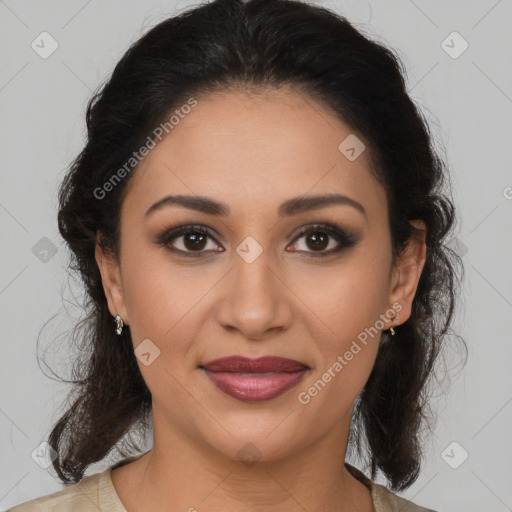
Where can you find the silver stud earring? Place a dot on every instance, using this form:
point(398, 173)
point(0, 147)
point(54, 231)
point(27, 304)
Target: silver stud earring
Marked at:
point(119, 325)
point(391, 330)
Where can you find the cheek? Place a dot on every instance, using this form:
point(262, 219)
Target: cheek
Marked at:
point(160, 301)
point(159, 297)
point(344, 305)
point(345, 298)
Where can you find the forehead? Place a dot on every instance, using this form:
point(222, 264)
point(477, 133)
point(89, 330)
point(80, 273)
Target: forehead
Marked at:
point(255, 151)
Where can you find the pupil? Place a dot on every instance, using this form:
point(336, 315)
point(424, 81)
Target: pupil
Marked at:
point(317, 240)
point(196, 239)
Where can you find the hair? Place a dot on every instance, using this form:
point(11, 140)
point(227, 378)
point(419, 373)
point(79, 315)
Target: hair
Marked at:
point(257, 46)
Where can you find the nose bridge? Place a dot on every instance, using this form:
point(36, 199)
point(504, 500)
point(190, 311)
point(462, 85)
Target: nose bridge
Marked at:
point(252, 269)
point(255, 300)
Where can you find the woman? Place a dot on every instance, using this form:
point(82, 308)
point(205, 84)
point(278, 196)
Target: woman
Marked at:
point(259, 220)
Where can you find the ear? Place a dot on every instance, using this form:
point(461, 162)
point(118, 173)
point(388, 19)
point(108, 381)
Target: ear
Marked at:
point(407, 273)
point(112, 282)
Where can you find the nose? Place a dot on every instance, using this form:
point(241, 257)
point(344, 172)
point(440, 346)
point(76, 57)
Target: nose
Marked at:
point(255, 300)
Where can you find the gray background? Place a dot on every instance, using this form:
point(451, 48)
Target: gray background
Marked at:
point(467, 100)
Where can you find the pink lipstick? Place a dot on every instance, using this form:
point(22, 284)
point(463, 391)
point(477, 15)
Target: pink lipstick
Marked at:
point(254, 380)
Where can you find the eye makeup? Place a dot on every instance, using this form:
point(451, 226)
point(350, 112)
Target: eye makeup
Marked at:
point(198, 236)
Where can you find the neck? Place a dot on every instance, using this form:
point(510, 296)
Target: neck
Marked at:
point(191, 476)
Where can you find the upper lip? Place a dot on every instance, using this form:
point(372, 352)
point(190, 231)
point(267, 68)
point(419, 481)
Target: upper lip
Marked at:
point(246, 365)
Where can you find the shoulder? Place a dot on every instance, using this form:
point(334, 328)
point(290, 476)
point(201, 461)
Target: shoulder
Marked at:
point(94, 493)
point(387, 501)
point(84, 496)
point(383, 499)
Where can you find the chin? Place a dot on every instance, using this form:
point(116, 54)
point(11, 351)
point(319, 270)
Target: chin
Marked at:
point(254, 439)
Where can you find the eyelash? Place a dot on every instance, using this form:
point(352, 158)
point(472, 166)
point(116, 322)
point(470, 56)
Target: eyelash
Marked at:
point(345, 238)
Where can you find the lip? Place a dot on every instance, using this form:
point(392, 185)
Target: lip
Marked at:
point(254, 380)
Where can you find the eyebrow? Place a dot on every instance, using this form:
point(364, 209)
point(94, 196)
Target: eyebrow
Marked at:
point(290, 207)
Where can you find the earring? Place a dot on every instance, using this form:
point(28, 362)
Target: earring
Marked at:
point(391, 330)
point(119, 325)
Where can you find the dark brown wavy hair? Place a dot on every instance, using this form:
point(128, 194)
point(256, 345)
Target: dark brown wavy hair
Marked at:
point(258, 45)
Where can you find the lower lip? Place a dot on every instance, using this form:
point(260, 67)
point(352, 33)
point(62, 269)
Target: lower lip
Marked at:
point(255, 387)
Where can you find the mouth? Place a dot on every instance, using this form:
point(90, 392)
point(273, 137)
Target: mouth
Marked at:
point(254, 380)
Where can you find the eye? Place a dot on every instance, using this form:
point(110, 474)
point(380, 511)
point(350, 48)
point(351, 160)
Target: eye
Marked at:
point(194, 239)
point(321, 236)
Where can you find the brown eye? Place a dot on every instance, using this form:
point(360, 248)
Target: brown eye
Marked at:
point(189, 241)
point(320, 237)
point(194, 241)
point(317, 240)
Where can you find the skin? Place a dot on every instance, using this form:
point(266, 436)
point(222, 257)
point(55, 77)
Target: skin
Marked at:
point(252, 152)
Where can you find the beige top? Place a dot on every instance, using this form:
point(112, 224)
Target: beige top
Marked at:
point(96, 493)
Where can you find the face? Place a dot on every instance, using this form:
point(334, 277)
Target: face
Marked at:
point(271, 272)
